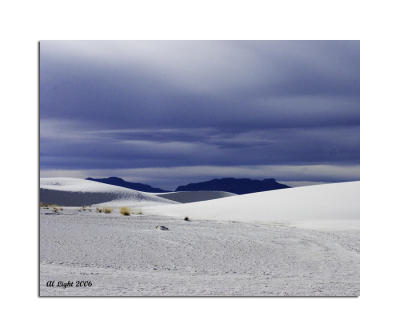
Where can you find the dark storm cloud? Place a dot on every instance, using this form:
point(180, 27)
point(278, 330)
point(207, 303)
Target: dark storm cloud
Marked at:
point(126, 105)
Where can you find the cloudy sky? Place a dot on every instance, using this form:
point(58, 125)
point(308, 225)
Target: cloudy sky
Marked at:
point(172, 112)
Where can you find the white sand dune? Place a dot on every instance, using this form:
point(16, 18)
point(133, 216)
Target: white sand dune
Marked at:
point(194, 196)
point(327, 206)
point(256, 244)
point(77, 192)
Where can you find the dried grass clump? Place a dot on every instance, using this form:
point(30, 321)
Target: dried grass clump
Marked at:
point(104, 210)
point(55, 208)
point(47, 205)
point(125, 211)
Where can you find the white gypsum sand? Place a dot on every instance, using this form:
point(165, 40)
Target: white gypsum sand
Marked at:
point(325, 206)
point(301, 241)
point(78, 192)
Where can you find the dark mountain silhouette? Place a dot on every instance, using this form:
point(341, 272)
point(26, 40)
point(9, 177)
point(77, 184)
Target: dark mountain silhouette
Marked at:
point(122, 183)
point(234, 185)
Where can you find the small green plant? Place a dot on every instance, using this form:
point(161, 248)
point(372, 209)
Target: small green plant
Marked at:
point(107, 210)
point(125, 211)
point(186, 219)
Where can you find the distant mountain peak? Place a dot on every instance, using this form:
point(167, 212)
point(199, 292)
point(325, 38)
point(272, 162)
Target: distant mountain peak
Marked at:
point(234, 185)
point(117, 181)
point(111, 178)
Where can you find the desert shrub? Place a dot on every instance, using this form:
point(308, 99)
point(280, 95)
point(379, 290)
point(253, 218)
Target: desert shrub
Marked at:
point(84, 207)
point(139, 213)
point(107, 210)
point(186, 219)
point(99, 210)
point(125, 211)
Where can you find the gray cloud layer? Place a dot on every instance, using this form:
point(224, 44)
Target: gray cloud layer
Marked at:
point(158, 104)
